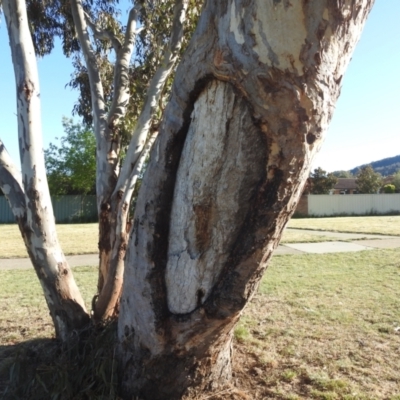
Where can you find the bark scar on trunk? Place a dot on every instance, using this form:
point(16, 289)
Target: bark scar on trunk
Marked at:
point(27, 88)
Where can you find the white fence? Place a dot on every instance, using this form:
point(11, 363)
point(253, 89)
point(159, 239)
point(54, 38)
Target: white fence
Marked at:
point(353, 204)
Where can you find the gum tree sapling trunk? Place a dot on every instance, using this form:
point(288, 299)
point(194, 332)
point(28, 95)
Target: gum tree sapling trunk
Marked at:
point(252, 99)
point(28, 192)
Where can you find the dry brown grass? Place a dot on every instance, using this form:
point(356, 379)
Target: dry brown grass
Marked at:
point(389, 225)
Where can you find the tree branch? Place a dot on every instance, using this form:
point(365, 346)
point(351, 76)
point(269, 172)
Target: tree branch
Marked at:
point(103, 33)
point(153, 95)
point(138, 168)
point(108, 146)
point(96, 87)
point(11, 183)
point(121, 70)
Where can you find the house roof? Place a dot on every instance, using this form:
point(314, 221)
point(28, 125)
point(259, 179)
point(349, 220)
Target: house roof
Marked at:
point(346, 183)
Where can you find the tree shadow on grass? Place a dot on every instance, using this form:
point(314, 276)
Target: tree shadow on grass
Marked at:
point(82, 368)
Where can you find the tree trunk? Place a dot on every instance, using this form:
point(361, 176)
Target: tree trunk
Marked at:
point(250, 104)
point(37, 223)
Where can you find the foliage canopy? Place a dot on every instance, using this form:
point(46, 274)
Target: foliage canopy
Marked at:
point(321, 182)
point(368, 181)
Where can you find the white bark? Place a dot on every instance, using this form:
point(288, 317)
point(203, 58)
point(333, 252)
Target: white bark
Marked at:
point(106, 149)
point(106, 124)
point(62, 295)
point(108, 300)
point(121, 71)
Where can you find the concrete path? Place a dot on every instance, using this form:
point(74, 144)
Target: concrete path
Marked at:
point(360, 242)
point(74, 261)
point(341, 235)
point(326, 247)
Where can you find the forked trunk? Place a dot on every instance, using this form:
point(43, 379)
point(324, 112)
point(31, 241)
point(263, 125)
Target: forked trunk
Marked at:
point(251, 101)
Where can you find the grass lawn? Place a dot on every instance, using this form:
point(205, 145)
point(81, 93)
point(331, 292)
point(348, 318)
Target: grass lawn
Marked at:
point(389, 225)
point(74, 239)
point(300, 236)
point(321, 326)
point(82, 238)
point(324, 327)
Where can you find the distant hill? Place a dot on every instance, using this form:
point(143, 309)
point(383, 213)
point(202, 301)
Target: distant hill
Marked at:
point(387, 166)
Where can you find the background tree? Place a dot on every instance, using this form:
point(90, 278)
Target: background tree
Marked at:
point(389, 188)
point(321, 182)
point(396, 181)
point(368, 181)
point(71, 166)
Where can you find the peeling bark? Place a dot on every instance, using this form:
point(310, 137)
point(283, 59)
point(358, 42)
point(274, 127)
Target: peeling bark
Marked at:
point(29, 194)
point(250, 104)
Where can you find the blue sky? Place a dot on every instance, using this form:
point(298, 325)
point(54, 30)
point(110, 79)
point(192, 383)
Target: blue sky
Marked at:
point(364, 128)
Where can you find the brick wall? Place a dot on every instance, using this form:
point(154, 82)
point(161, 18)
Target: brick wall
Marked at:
point(302, 207)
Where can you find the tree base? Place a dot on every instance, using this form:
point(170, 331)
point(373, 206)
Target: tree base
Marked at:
point(171, 374)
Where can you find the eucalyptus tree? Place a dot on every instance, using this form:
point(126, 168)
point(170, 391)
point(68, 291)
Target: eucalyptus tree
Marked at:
point(250, 103)
point(115, 183)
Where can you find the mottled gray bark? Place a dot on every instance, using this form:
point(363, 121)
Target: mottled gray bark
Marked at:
point(28, 194)
point(251, 102)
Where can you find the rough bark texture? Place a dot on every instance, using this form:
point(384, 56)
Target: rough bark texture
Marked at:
point(251, 101)
point(36, 221)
